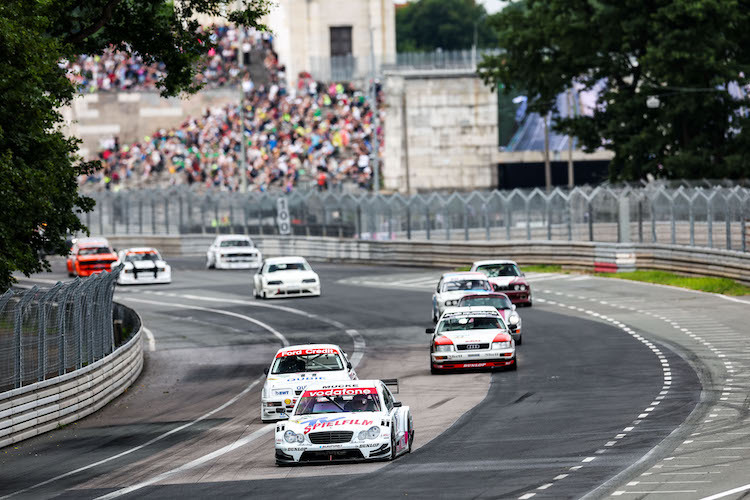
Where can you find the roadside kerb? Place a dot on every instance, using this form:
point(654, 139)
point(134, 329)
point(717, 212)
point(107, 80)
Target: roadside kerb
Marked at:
point(38, 408)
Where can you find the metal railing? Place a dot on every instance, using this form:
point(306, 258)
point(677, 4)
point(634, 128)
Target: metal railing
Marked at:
point(717, 217)
point(49, 332)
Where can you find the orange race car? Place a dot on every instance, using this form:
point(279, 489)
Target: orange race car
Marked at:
point(90, 256)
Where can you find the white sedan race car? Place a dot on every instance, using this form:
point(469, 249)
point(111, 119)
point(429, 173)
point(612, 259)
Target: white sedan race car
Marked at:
point(293, 368)
point(285, 277)
point(453, 286)
point(233, 251)
point(471, 337)
point(142, 266)
point(357, 420)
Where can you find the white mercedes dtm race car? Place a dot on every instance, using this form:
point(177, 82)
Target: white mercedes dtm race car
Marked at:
point(453, 286)
point(293, 368)
point(285, 277)
point(471, 337)
point(142, 266)
point(350, 421)
point(233, 251)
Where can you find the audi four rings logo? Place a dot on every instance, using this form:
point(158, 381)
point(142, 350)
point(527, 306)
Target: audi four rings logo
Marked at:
point(473, 346)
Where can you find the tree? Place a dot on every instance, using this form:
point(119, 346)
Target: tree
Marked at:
point(426, 25)
point(687, 53)
point(39, 199)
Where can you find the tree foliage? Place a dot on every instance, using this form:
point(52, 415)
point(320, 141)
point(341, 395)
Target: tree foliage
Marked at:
point(687, 53)
point(426, 25)
point(39, 200)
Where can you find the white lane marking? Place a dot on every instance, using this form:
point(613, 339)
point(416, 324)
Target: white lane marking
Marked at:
point(526, 496)
point(357, 339)
point(261, 324)
point(151, 341)
point(727, 493)
point(144, 445)
point(190, 465)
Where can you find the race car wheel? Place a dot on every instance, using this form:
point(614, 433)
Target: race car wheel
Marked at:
point(209, 264)
point(434, 370)
point(520, 340)
point(393, 444)
point(514, 366)
point(411, 436)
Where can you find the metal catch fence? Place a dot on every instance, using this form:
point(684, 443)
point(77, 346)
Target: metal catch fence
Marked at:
point(45, 333)
point(715, 217)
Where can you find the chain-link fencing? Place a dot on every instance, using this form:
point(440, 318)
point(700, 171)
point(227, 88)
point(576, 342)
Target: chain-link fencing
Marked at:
point(715, 217)
point(45, 333)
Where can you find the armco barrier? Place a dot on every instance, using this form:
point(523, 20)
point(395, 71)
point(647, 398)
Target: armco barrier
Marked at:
point(573, 255)
point(38, 408)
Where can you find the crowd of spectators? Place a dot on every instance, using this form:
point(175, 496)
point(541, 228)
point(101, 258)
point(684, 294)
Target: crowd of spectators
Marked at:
point(116, 70)
point(318, 133)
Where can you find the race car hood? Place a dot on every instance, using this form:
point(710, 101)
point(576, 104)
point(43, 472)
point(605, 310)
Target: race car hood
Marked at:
point(507, 280)
point(297, 381)
point(474, 336)
point(355, 421)
point(144, 264)
point(457, 294)
point(238, 250)
point(290, 276)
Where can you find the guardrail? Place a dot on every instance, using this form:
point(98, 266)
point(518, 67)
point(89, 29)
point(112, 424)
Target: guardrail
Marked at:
point(43, 406)
point(574, 255)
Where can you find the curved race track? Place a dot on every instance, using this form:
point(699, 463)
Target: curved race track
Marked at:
point(558, 427)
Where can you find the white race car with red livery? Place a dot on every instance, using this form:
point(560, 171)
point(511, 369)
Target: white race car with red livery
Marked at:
point(507, 278)
point(504, 306)
point(348, 421)
point(142, 266)
point(452, 286)
point(471, 337)
point(293, 368)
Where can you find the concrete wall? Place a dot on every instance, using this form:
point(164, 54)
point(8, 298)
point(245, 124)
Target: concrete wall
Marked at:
point(133, 115)
point(302, 37)
point(578, 255)
point(441, 131)
point(42, 407)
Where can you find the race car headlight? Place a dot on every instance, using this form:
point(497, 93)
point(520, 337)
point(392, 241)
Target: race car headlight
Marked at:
point(501, 345)
point(522, 287)
point(293, 437)
point(309, 280)
point(517, 287)
point(371, 433)
point(275, 282)
point(514, 319)
point(444, 348)
point(451, 303)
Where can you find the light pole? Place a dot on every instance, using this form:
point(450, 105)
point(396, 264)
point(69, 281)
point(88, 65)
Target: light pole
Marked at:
point(243, 153)
point(375, 120)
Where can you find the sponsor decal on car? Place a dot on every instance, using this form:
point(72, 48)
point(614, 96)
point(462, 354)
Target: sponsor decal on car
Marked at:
point(303, 352)
point(340, 391)
point(321, 422)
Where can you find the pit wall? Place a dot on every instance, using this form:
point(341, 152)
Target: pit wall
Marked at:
point(38, 408)
point(583, 256)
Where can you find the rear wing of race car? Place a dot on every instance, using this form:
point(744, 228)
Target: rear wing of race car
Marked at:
point(391, 382)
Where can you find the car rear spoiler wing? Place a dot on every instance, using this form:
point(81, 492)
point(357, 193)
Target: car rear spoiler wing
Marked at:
point(391, 382)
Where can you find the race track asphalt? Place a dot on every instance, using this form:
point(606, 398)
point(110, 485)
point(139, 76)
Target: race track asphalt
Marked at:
point(580, 382)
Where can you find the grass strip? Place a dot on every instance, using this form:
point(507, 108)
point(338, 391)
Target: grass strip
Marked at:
point(723, 286)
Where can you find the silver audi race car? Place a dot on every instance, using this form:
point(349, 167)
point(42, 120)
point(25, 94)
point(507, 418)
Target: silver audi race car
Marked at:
point(471, 337)
point(293, 368)
point(347, 421)
point(453, 286)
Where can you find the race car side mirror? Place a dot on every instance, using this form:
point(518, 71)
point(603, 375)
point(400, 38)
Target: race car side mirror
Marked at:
point(398, 404)
point(265, 370)
point(429, 331)
point(513, 306)
point(349, 365)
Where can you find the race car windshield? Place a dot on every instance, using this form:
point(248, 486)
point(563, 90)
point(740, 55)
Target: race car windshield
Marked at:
point(93, 251)
point(313, 405)
point(496, 302)
point(234, 243)
point(497, 270)
point(475, 323)
point(452, 286)
point(141, 257)
point(290, 266)
point(307, 363)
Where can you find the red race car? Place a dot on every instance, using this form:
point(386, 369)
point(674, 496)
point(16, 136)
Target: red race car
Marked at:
point(502, 303)
point(90, 256)
point(506, 277)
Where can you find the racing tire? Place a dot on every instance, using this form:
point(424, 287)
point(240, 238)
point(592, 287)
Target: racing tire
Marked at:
point(393, 444)
point(520, 340)
point(209, 264)
point(514, 366)
point(434, 370)
point(411, 437)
